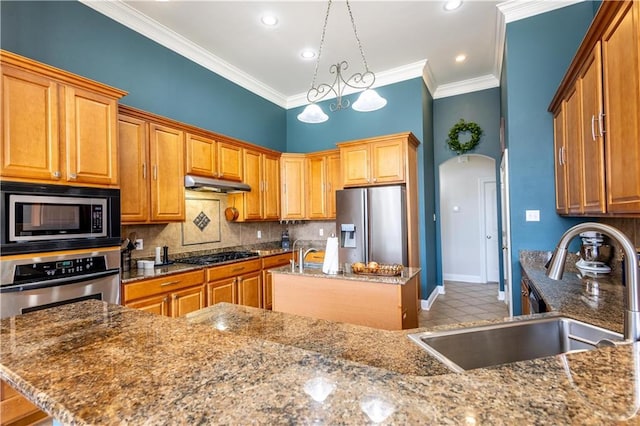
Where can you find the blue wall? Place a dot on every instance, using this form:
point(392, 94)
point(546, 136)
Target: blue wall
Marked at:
point(73, 37)
point(538, 52)
point(406, 103)
point(428, 244)
point(482, 108)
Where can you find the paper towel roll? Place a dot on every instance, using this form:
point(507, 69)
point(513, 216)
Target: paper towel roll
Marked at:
point(330, 265)
point(158, 259)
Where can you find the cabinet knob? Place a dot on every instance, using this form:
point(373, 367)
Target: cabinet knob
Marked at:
point(73, 176)
point(375, 179)
point(56, 174)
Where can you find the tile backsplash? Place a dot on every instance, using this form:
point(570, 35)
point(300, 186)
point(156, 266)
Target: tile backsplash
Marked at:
point(206, 229)
point(630, 227)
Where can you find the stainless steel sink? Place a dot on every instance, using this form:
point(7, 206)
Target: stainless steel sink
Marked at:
point(484, 346)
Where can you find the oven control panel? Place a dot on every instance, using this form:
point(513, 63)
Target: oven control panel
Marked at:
point(43, 271)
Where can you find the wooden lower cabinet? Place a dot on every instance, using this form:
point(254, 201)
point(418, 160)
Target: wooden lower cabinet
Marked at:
point(267, 277)
point(170, 295)
point(15, 409)
point(239, 282)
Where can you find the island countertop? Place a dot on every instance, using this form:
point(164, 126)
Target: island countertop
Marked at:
point(407, 274)
point(96, 363)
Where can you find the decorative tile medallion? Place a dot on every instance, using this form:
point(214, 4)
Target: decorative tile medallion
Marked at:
point(201, 221)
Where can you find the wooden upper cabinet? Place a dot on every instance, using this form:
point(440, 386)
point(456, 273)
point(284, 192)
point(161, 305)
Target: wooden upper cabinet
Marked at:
point(134, 169)
point(292, 176)
point(152, 168)
point(230, 161)
point(373, 163)
point(253, 178)
point(201, 156)
point(166, 147)
point(323, 179)
point(560, 162)
point(601, 91)
point(57, 127)
point(621, 73)
point(271, 188)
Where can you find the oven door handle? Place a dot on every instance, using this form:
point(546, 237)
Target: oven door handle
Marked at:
point(59, 281)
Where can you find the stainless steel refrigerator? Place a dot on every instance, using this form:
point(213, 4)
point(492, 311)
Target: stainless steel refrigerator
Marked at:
point(372, 223)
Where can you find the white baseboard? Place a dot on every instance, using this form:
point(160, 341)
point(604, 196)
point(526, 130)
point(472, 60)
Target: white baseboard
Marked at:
point(425, 305)
point(462, 278)
point(501, 295)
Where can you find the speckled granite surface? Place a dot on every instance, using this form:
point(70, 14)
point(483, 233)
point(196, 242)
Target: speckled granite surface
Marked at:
point(95, 363)
point(598, 301)
point(407, 274)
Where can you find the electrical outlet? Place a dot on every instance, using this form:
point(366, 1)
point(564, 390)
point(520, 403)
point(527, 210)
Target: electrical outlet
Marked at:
point(139, 244)
point(259, 234)
point(532, 215)
point(321, 232)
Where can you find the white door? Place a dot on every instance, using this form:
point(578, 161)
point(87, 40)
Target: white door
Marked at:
point(490, 227)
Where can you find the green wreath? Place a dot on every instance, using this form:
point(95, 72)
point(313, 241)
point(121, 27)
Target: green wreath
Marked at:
point(462, 126)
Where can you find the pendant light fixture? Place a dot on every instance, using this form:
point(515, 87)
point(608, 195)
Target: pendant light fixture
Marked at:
point(369, 99)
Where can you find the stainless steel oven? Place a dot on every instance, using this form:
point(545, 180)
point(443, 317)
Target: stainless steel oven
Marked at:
point(39, 217)
point(34, 282)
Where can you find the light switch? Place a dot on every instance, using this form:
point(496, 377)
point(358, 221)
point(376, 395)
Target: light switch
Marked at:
point(532, 215)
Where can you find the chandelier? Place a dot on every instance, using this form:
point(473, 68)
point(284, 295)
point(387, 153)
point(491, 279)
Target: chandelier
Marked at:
point(369, 100)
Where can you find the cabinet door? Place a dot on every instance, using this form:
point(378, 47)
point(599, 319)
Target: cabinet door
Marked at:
point(559, 156)
point(91, 125)
point(355, 165)
point(334, 183)
point(187, 300)
point(293, 186)
point(222, 291)
point(317, 183)
point(16, 410)
point(253, 178)
point(621, 72)
point(201, 156)
point(30, 135)
point(593, 145)
point(574, 151)
point(250, 290)
point(156, 305)
point(229, 162)
point(166, 149)
point(267, 290)
point(387, 162)
point(524, 297)
point(134, 174)
point(271, 187)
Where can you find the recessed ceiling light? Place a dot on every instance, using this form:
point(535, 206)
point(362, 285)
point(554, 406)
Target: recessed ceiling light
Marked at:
point(461, 58)
point(452, 4)
point(308, 54)
point(269, 20)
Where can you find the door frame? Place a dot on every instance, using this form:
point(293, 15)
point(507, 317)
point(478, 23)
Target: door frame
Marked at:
point(482, 196)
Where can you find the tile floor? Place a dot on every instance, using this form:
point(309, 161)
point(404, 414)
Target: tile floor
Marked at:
point(464, 302)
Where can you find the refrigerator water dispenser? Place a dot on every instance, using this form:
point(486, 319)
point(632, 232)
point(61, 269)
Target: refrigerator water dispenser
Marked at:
point(348, 235)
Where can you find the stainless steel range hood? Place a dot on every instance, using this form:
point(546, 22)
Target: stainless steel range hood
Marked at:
point(198, 183)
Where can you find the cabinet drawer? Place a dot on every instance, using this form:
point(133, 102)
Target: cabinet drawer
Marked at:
point(233, 269)
point(161, 285)
point(276, 260)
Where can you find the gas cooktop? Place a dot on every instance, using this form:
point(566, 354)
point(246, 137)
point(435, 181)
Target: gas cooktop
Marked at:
point(225, 256)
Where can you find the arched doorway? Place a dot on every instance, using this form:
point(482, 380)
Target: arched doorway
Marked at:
point(469, 219)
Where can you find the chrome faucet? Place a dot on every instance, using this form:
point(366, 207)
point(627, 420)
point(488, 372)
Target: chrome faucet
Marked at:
point(631, 273)
point(301, 256)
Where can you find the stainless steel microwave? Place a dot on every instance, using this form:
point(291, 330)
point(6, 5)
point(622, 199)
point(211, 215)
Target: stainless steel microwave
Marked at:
point(41, 217)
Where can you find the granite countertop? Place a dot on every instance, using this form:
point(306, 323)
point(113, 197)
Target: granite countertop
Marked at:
point(96, 363)
point(176, 267)
point(407, 274)
point(598, 301)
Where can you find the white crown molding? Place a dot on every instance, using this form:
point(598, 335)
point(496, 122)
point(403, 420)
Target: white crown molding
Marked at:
point(501, 30)
point(514, 10)
point(466, 86)
point(131, 18)
point(383, 78)
point(429, 79)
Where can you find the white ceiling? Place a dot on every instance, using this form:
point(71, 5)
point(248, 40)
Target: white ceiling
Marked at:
point(401, 40)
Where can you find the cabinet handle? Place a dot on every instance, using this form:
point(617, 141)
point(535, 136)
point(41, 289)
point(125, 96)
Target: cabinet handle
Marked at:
point(73, 176)
point(144, 170)
point(329, 186)
point(155, 172)
point(375, 179)
point(601, 124)
point(174, 296)
point(56, 174)
point(266, 185)
point(241, 268)
point(593, 127)
point(169, 283)
point(284, 186)
point(560, 156)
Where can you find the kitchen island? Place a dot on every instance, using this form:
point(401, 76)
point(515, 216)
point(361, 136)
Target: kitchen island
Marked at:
point(378, 301)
